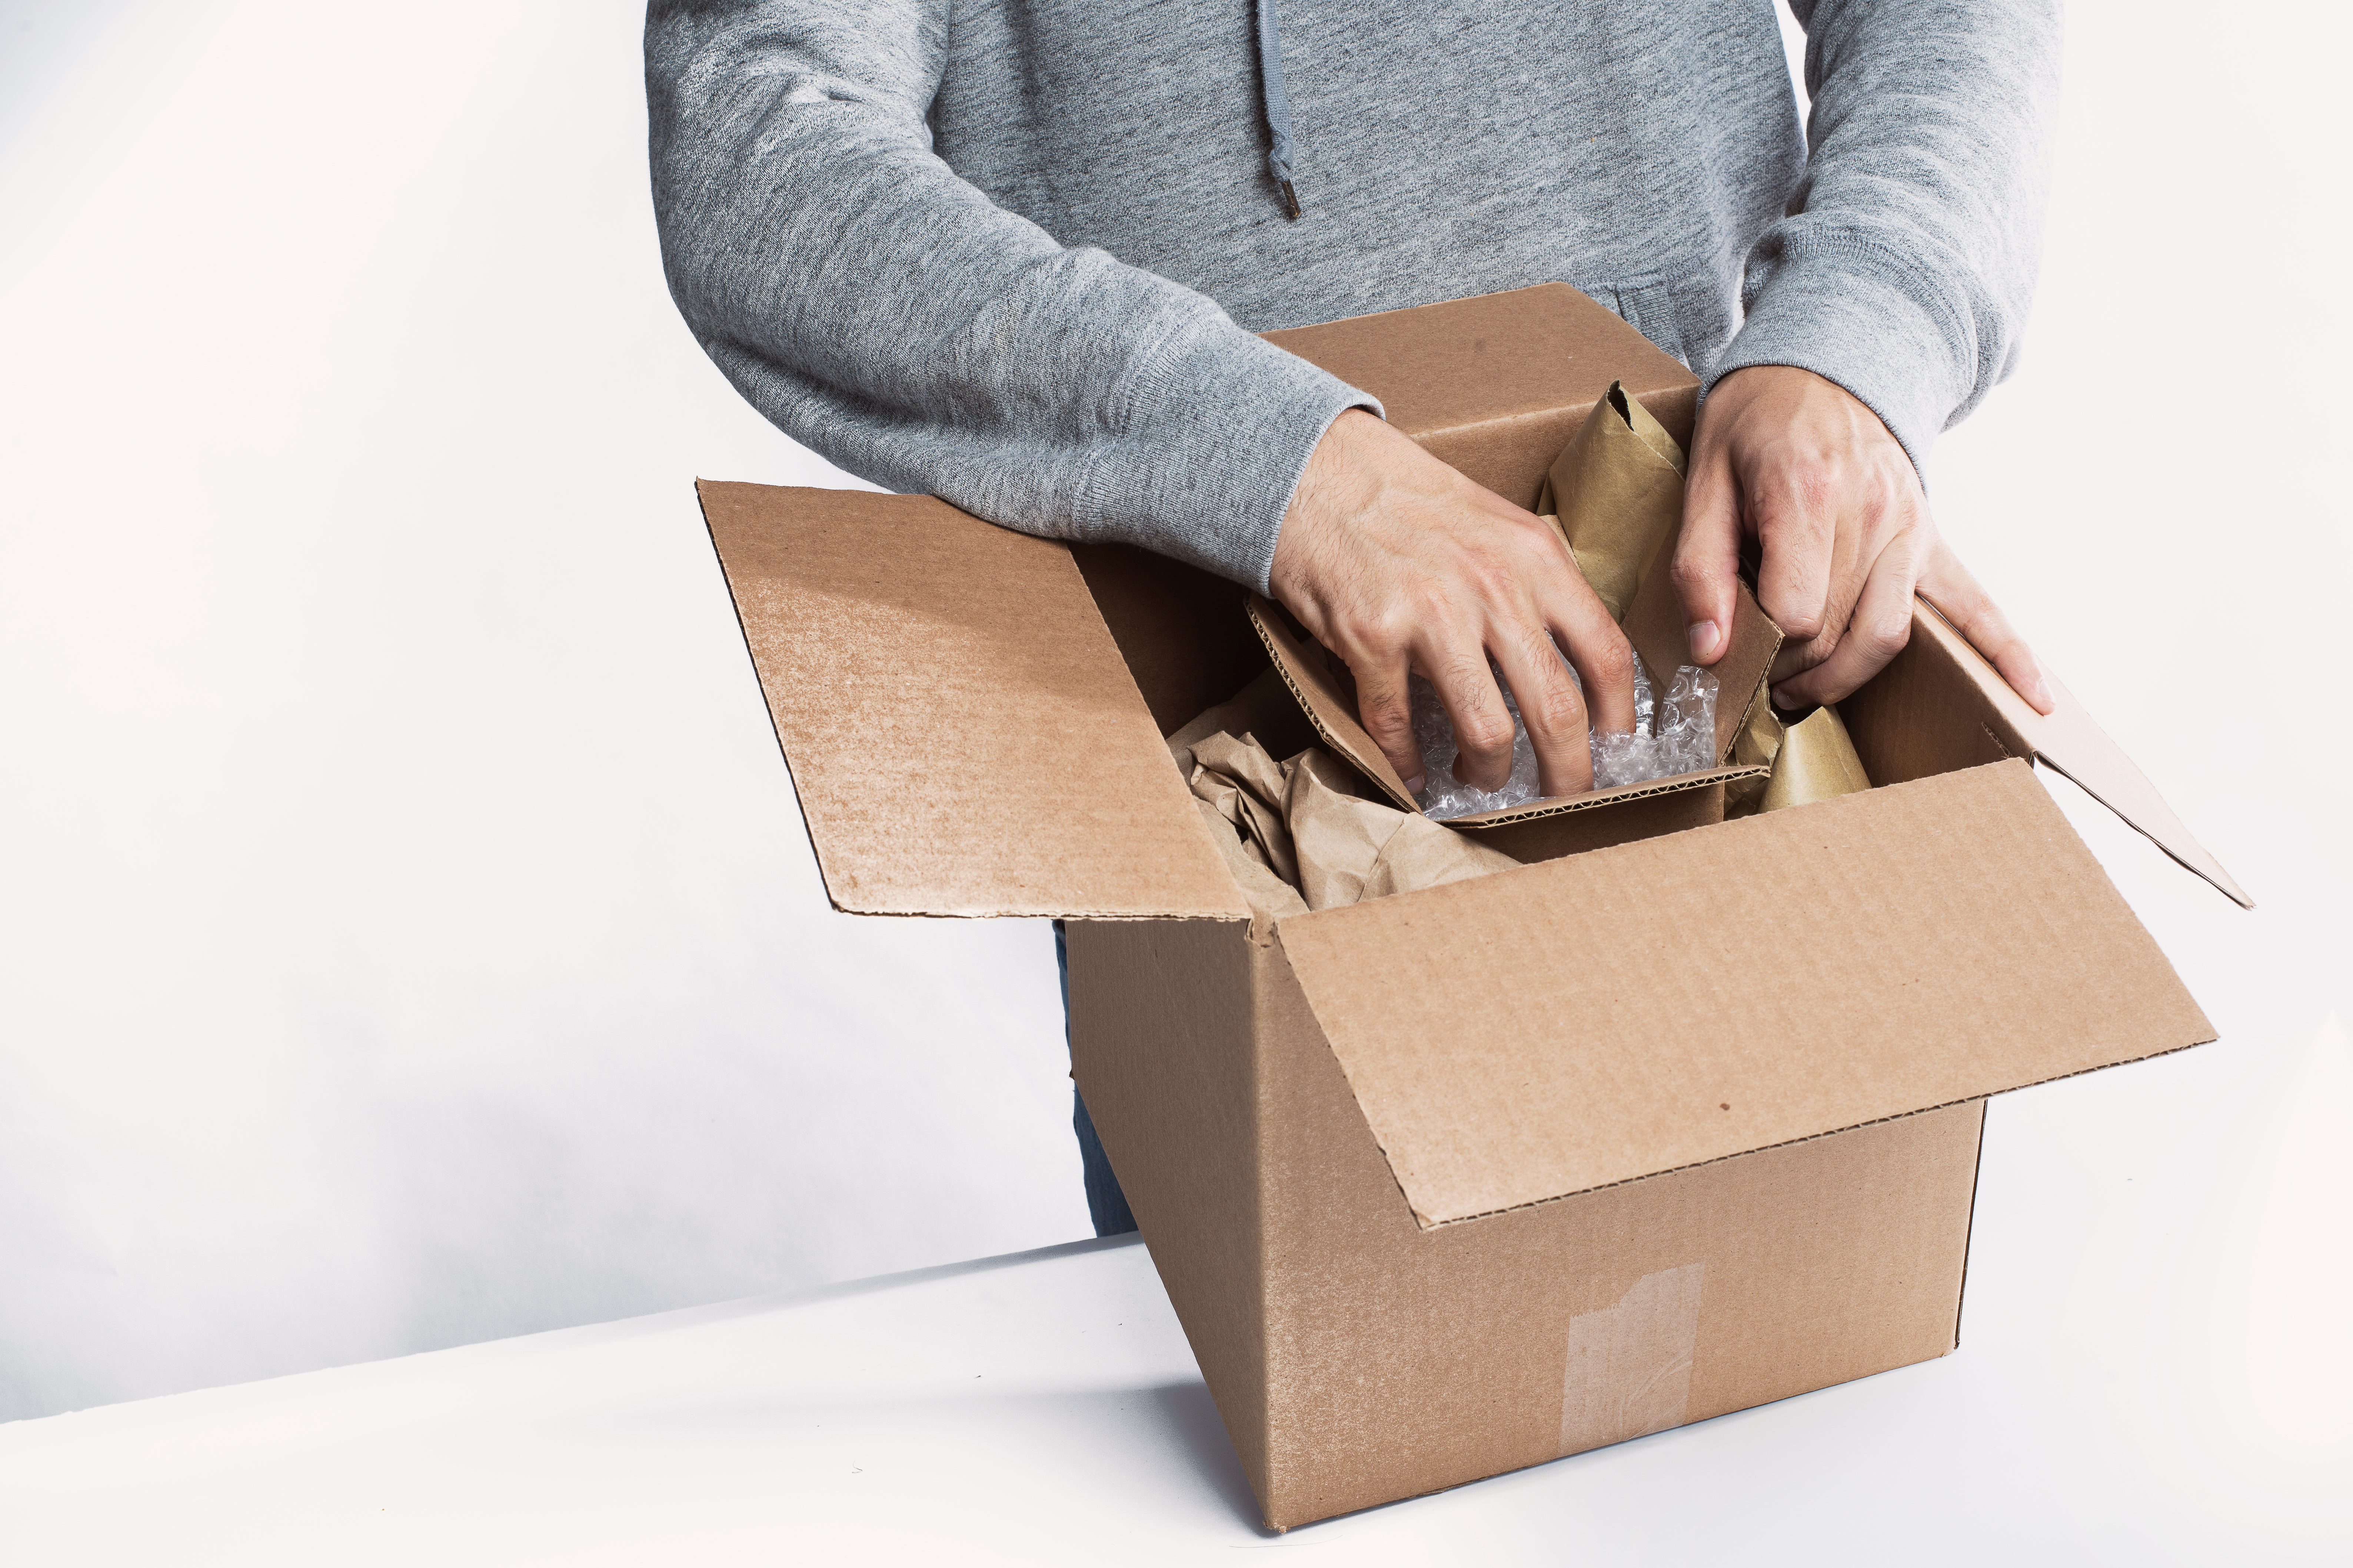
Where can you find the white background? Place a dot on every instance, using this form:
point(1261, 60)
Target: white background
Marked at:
point(410, 935)
point(409, 938)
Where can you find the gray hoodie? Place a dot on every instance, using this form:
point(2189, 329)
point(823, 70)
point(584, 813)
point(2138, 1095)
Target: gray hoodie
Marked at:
point(1014, 252)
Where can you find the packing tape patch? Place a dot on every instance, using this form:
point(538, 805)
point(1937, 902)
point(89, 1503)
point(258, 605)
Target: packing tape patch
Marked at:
point(1629, 1365)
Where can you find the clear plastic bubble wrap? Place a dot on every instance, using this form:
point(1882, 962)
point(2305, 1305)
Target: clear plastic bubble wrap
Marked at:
point(1677, 736)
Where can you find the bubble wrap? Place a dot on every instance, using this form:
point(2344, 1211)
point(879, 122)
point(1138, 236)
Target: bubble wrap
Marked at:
point(1677, 736)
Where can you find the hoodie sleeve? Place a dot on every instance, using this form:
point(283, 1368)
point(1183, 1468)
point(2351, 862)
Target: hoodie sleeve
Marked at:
point(1905, 265)
point(884, 312)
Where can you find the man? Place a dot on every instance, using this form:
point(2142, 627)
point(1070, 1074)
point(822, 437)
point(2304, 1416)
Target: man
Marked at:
point(1014, 253)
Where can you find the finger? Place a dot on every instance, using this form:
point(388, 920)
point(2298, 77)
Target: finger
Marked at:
point(1384, 706)
point(1603, 659)
point(1482, 725)
point(1552, 707)
point(1880, 625)
point(1860, 536)
point(1795, 521)
point(1707, 558)
point(1948, 585)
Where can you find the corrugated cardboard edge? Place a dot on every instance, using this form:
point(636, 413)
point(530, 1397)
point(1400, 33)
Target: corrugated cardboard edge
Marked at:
point(1426, 1223)
point(1977, 1185)
point(1323, 704)
point(1562, 805)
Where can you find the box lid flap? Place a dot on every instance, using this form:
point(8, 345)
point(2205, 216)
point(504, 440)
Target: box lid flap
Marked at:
point(2069, 743)
point(1497, 385)
point(1634, 1010)
point(963, 734)
point(1493, 359)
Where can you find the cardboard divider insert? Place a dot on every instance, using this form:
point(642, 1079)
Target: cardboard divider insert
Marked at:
point(1330, 705)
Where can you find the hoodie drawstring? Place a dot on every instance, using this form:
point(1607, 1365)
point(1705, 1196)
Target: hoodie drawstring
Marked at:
point(1278, 104)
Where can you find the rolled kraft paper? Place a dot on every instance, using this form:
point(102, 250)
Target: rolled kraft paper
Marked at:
point(1617, 491)
point(1816, 761)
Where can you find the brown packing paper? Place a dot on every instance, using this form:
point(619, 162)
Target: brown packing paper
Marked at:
point(1816, 762)
point(1756, 746)
point(1303, 825)
point(1616, 492)
point(1654, 625)
point(1811, 760)
point(1619, 485)
point(1247, 787)
point(1265, 708)
point(1267, 894)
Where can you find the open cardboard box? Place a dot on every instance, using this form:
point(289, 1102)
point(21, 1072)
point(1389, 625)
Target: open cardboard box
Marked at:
point(1678, 1119)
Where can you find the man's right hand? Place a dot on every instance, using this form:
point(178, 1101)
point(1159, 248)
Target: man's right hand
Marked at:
point(1399, 564)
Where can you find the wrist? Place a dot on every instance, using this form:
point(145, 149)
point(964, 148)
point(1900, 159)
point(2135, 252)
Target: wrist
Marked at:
point(1337, 482)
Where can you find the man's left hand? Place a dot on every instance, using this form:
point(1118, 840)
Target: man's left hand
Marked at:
point(1796, 462)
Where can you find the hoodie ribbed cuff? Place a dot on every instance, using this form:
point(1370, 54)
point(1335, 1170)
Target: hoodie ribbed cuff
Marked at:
point(1852, 312)
point(1218, 426)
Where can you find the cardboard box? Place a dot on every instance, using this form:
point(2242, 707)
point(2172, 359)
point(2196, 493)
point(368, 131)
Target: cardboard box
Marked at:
point(1679, 1121)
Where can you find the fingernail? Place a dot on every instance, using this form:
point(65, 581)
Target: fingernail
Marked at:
point(1702, 639)
point(1413, 785)
point(2042, 696)
point(1782, 697)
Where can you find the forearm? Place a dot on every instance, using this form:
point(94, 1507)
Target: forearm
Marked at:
point(884, 312)
point(1906, 266)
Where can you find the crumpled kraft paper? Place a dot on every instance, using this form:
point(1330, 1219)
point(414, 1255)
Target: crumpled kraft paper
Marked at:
point(1811, 760)
point(1265, 892)
point(1616, 494)
point(1302, 825)
point(1619, 485)
point(1265, 708)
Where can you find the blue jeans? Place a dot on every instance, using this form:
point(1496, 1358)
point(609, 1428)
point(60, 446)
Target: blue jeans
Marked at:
point(1105, 1202)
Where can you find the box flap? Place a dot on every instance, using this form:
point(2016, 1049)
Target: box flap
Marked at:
point(1634, 1010)
point(1497, 385)
point(963, 734)
point(2068, 741)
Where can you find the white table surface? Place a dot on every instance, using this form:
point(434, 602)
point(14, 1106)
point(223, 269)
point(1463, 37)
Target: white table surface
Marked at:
point(2153, 1371)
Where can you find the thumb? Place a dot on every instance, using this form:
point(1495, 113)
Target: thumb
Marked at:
point(1707, 557)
